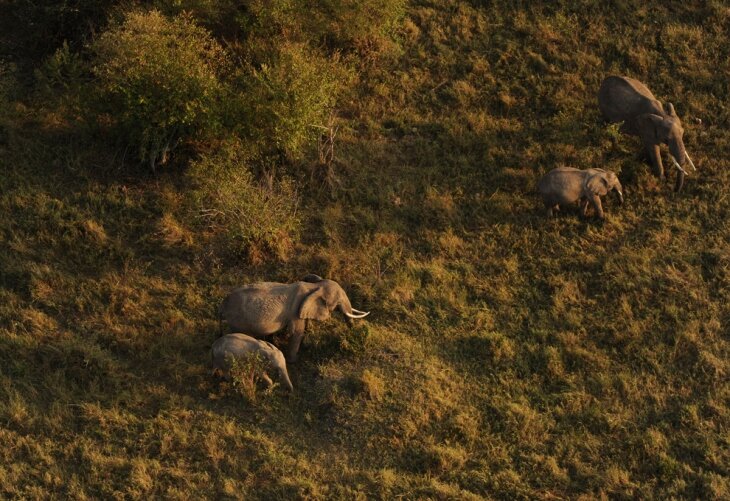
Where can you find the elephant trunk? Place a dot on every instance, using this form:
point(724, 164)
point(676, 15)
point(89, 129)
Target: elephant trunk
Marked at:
point(619, 195)
point(350, 312)
point(676, 149)
point(678, 155)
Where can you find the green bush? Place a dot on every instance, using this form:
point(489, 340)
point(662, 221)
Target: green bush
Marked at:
point(292, 98)
point(158, 82)
point(253, 217)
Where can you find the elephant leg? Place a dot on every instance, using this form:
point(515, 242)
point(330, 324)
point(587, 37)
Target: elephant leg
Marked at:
point(655, 157)
point(296, 333)
point(596, 201)
point(550, 209)
point(583, 207)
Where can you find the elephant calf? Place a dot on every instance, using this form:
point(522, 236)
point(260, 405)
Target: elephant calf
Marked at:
point(566, 185)
point(239, 345)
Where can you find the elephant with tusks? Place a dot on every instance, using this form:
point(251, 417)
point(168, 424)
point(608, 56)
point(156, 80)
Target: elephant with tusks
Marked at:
point(265, 308)
point(623, 99)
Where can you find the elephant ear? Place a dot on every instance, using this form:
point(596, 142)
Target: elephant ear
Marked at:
point(314, 306)
point(597, 184)
point(650, 126)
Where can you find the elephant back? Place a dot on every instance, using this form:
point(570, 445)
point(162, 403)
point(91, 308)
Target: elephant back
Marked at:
point(622, 99)
point(232, 344)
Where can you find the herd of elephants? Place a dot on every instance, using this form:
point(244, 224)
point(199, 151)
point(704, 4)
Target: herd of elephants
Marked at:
point(262, 309)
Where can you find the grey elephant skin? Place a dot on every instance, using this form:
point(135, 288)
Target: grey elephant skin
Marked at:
point(567, 185)
point(240, 345)
point(623, 99)
point(265, 308)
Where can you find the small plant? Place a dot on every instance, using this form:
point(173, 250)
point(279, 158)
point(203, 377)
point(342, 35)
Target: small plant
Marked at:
point(614, 131)
point(326, 142)
point(246, 372)
point(324, 167)
point(63, 78)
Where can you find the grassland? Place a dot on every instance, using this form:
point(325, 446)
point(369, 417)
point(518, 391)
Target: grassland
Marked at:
point(507, 356)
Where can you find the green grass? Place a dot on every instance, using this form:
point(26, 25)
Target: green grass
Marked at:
point(507, 356)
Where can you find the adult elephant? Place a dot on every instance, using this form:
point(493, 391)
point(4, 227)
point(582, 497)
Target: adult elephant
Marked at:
point(623, 99)
point(265, 308)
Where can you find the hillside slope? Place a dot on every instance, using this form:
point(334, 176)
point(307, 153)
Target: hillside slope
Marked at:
point(506, 356)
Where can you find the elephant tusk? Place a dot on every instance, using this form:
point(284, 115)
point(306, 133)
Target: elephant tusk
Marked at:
point(676, 164)
point(690, 161)
point(361, 315)
point(359, 312)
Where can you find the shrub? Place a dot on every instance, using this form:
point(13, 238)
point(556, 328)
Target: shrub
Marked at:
point(292, 98)
point(158, 80)
point(254, 217)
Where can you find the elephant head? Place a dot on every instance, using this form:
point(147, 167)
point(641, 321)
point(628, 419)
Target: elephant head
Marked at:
point(277, 361)
point(599, 182)
point(323, 299)
point(665, 129)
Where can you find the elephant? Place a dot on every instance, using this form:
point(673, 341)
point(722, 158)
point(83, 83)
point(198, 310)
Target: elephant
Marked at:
point(265, 308)
point(623, 99)
point(238, 345)
point(566, 185)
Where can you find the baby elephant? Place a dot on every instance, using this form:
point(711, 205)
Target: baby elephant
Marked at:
point(566, 185)
point(239, 345)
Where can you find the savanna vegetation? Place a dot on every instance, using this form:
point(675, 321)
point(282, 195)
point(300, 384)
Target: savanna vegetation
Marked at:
point(153, 155)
